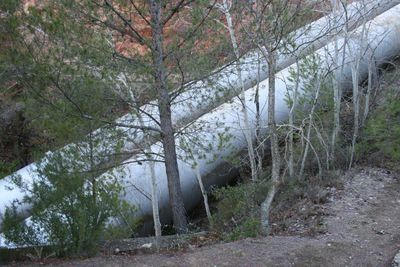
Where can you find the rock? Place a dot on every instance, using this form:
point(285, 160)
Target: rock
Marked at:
point(379, 232)
point(396, 260)
point(147, 245)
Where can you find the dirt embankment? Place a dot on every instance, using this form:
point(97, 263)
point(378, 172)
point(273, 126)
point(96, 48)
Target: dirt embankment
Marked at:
point(362, 223)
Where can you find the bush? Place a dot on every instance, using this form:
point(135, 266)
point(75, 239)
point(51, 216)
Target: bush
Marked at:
point(7, 168)
point(250, 227)
point(381, 137)
point(237, 214)
point(71, 208)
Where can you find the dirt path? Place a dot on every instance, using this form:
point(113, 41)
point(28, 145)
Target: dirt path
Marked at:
point(363, 229)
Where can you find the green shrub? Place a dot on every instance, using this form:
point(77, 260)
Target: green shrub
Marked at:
point(71, 207)
point(7, 168)
point(381, 137)
point(237, 214)
point(250, 227)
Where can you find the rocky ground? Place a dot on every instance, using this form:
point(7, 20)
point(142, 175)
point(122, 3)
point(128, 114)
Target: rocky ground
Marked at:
point(361, 224)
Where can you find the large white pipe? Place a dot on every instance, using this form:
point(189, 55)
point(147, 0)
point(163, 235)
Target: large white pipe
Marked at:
point(383, 38)
point(202, 96)
point(213, 173)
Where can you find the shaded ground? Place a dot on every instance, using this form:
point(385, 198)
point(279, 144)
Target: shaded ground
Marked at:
point(362, 228)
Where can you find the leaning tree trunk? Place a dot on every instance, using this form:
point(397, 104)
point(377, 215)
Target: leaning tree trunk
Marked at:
point(309, 128)
point(247, 128)
point(164, 107)
point(204, 193)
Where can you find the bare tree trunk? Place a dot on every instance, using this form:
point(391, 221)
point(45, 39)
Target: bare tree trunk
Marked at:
point(291, 121)
point(164, 106)
point(325, 146)
point(356, 107)
point(310, 125)
point(154, 200)
point(337, 86)
point(337, 94)
point(259, 144)
point(265, 208)
point(154, 195)
point(371, 85)
point(356, 94)
point(266, 204)
point(247, 128)
point(204, 193)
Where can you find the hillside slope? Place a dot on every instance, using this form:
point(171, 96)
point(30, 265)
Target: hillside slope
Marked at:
point(362, 223)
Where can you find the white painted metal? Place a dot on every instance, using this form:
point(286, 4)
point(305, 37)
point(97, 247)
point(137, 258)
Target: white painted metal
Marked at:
point(202, 96)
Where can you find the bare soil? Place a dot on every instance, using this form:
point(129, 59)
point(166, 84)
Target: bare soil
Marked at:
point(361, 223)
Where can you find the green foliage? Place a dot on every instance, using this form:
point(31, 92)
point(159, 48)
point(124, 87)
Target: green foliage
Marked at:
point(8, 33)
point(7, 168)
point(380, 141)
point(125, 225)
point(61, 68)
point(249, 227)
point(309, 77)
point(237, 214)
point(70, 206)
point(67, 63)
